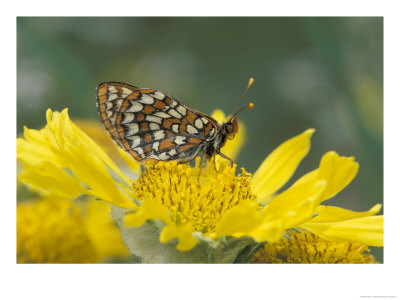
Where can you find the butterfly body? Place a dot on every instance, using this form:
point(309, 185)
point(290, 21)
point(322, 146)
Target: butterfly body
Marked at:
point(153, 126)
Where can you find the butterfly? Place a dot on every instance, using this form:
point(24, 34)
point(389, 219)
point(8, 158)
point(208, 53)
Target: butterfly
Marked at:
point(152, 126)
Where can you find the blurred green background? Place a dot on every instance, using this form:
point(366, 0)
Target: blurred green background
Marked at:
point(323, 73)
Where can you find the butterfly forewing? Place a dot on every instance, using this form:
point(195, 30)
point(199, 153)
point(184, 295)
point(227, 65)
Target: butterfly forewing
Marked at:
point(151, 125)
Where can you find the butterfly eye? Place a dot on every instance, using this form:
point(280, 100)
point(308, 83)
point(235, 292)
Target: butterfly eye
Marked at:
point(229, 129)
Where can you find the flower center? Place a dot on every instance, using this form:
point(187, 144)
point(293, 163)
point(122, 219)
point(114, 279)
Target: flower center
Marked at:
point(203, 201)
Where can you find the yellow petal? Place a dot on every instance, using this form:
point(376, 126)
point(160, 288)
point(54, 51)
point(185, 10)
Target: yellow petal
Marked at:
point(95, 130)
point(54, 129)
point(72, 130)
point(240, 220)
point(151, 209)
point(89, 169)
point(268, 231)
point(287, 210)
point(130, 161)
point(337, 171)
point(67, 147)
point(219, 116)
point(49, 177)
point(35, 136)
point(367, 230)
point(35, 148)
point(335, 214)
point(62, 133)
point(184, 233)
point(295, 205)
point(102, 230)
point(280, 165)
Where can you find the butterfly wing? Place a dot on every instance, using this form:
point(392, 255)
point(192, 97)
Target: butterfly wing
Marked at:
point(151, 125)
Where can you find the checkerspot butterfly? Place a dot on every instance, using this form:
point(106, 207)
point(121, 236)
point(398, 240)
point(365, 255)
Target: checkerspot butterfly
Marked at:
point(153, 126)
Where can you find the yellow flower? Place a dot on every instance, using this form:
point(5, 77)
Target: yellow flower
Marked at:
point(55, 230)
point(172, 193)
point(307, 248)
point(64, 161)
point(222, 217)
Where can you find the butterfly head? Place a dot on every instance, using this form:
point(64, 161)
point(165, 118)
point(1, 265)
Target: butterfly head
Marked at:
point(231, 127)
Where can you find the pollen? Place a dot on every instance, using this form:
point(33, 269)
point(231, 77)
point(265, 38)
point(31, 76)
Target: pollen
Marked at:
point(201, 202)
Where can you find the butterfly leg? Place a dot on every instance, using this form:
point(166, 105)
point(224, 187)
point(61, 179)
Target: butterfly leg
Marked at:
point(226, 157)
point(201, 166)
point(215, 164)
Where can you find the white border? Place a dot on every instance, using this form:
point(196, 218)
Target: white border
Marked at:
point(200, 281)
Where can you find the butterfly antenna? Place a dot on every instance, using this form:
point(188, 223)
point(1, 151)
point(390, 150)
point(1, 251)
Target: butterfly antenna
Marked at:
point(251, 81)
point(250, 105)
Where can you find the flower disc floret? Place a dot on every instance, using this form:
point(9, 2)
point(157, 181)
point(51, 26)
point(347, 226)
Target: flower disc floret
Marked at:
point(190, 199)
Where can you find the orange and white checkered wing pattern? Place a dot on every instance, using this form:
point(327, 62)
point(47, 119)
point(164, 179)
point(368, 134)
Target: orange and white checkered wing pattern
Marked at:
point(151, 125)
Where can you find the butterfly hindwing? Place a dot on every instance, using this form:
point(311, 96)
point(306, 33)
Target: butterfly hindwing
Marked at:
point(151, 125)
